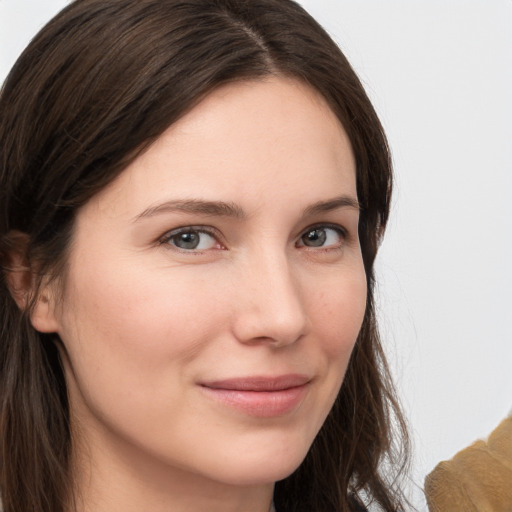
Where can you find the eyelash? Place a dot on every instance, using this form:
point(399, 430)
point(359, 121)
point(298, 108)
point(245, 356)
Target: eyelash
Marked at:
point(189, 229)
point(342, 232)
point(168, 237)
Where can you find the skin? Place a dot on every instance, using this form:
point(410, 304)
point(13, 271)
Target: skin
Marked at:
point(145, 324)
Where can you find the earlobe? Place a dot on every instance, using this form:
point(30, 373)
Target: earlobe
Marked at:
point(43, 314)
point(22, 284)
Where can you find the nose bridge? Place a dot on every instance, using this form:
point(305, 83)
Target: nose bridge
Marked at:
point(270, 301)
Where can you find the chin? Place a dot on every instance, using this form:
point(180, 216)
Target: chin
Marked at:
point(266, 470)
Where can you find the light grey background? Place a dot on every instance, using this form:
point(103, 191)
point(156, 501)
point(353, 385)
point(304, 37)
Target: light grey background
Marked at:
point(440, 75)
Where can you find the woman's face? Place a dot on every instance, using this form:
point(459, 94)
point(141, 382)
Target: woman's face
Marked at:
point(215, 290)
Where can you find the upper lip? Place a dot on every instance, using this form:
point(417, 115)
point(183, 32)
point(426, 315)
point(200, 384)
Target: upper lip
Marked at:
point(259, 383)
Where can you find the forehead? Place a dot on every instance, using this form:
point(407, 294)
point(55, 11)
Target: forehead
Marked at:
point(245, 141)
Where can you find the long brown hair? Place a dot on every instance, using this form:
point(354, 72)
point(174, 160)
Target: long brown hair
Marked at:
point(95, 88)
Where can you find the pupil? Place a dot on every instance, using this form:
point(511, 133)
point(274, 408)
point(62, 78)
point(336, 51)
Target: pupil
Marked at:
point(315, 237)
point(188, 240)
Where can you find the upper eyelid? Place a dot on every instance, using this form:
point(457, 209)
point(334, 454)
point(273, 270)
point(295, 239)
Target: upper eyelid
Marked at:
point(331, 225)
point(183, 229)
point(213, 230)
point(168, 235)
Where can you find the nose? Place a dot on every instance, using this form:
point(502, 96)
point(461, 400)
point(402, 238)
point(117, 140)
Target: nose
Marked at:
point(270, 306)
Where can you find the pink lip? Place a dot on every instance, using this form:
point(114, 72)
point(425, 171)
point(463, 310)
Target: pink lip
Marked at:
point(265, 397)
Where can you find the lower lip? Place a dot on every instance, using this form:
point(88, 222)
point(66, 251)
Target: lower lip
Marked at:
point(264, 404)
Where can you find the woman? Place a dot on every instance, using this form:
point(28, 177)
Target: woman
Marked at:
point(193, 193)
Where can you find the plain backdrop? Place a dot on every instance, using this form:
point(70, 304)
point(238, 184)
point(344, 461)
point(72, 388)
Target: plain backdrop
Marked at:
point(440, 75)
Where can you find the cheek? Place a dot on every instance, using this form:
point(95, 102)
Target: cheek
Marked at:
point(132, 309)
point(339, 319)
point(337, 310)
point(339, 313)
point(122, 331)
point(132, 338)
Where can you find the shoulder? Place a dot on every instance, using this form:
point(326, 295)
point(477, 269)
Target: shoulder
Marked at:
point(477, 478)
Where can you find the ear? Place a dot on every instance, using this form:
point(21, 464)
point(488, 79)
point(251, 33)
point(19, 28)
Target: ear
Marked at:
point(43, 316)
point(22, 282)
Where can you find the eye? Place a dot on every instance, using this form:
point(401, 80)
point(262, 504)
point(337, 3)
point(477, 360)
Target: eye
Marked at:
point(191, 239)
point(322, 236)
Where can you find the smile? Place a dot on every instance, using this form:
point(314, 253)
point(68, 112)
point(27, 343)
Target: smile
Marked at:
point(264, 397)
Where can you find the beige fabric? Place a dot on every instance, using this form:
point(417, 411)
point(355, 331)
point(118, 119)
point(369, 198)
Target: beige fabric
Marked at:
point(477, 479)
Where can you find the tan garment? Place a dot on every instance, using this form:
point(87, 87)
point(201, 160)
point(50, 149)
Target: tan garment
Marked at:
point(477, 479)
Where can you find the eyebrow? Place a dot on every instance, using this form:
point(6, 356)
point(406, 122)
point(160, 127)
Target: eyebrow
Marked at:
point(224, 209)
point(194, 206)
point(333, 204)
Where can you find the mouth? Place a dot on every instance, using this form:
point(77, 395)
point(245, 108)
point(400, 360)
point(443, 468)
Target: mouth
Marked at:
point(260, 396)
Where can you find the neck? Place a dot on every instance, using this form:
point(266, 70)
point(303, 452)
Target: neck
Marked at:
point(118, 476)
